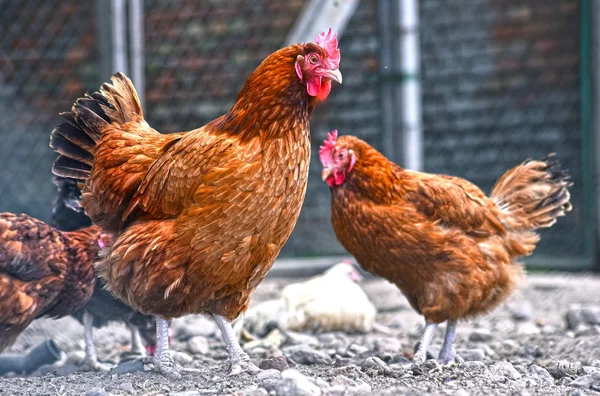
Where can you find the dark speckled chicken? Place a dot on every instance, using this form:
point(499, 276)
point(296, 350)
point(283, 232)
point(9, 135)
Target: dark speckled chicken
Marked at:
point(102, 308)
point(43, 272)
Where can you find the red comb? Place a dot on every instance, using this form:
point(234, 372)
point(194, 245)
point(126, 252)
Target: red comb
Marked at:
point(328, 41)
point(326, 150)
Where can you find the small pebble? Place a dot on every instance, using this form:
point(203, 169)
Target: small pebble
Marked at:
point(579, 314)
point(293, 383)
point(182, 358)
point(528, 328)
point(303, 354)
point(589, 381)
point(96, 392)
point(521, 311)
point(126, 386)
point(278, 363)
point(541, 375)
point(198, 345)
point(480, 335)
point(505, 369)
point(374, 364)
point(577, 392)
point(472, 355)
point(268, 378)
point(294, 338)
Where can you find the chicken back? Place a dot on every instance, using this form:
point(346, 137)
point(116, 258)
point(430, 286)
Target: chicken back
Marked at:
point(449, 248)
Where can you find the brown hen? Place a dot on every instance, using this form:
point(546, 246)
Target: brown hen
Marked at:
point(199, 217)
point(43, 271)
point(449, 248)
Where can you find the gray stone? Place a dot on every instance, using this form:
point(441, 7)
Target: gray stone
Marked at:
point(126, 386)
point(480, 335)
point(472, 355)
point(182, 358)
point(564, 368)
point(355, 349)
point(293, 383)
point(521, 311)
point(268, 379)
point(96, 392)
point(303, 354)
point(578, 314)
point(294, 338)
point(587, 331)
point(505, 369)
point(375, 364)
point(461, 392)
point(577, 392)
point(278, 363)
point(589, 370)
point(475, 367)
point(256, 392)
point(184, 393)
point(590, 381)
point(528, 328)
point(193, 325)
point(541, 375)
point(198, 345)
point(343, 386)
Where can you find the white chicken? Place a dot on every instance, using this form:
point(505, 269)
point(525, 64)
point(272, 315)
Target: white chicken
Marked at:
point(332, 301)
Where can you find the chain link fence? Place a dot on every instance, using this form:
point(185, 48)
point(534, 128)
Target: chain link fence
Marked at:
point(500, 83)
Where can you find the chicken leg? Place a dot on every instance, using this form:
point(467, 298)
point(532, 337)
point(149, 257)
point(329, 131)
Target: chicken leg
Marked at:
point(162, 359)
point(448, 354)
point(90, 362)
point(137, 348)
point(426, 338)
point(239, 361)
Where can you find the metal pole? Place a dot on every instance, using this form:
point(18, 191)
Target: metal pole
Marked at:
point(387, 87)
point(410, 63)
point(136, 46)
point(119, 42)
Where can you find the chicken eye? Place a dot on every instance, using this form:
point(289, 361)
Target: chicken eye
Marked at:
point(340, 155)
point(313, 59)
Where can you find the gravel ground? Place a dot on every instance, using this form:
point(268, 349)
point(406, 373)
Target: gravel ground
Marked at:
point(545, 340)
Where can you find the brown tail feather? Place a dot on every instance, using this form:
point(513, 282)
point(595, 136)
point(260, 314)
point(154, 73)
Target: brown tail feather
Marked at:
point(532, 195)
point(75, 139)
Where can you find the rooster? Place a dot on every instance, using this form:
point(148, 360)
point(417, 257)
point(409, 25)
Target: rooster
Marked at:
point(448, 247)
point(43, 271)
point(102, 308)
point(198, 217)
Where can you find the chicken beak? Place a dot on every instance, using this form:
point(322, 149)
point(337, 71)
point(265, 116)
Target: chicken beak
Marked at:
point(326, 172)
point(334, 75)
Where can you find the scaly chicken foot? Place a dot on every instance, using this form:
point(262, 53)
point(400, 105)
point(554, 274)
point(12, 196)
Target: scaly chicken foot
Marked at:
point(90, 362)
point(162, 360)
point(421, 354)
point(448, 354)
point(239, 361)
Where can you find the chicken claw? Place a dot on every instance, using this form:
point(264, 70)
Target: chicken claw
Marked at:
point(239, 360)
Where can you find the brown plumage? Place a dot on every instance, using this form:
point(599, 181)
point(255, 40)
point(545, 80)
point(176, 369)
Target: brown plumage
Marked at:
point(43, 272)
point(199, 217)
point(449, 248)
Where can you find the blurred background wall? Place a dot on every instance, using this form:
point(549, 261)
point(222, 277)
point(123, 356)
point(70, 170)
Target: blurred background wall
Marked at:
point(500, 81)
